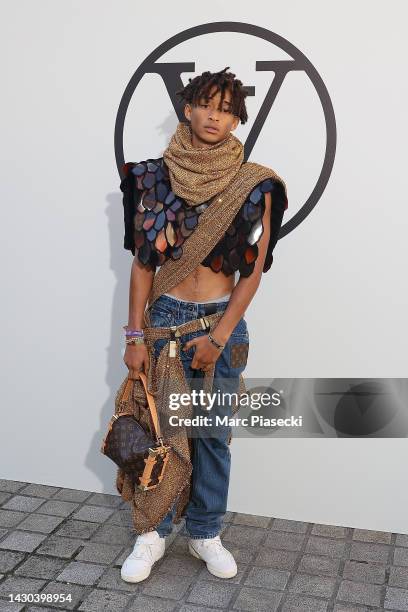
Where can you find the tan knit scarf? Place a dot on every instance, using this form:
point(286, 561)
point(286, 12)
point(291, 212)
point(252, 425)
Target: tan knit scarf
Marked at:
point(198, 174)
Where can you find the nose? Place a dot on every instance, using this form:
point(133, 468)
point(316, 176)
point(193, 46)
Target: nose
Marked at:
point(213, 114)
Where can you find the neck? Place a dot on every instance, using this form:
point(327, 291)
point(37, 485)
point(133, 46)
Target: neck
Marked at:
point(198, 143)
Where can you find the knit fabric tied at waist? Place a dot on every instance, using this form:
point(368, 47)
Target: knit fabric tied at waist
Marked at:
point(171, 351)
point(166, 375)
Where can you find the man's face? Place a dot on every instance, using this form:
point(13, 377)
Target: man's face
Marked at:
point(209, 114)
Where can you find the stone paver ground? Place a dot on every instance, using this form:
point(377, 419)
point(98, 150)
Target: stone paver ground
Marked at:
point(65, 548)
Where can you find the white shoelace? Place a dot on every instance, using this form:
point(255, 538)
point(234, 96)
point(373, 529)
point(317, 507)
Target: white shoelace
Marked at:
point(219, 549)
point(139, 551)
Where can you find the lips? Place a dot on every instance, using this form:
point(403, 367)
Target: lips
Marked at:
point(211, 129)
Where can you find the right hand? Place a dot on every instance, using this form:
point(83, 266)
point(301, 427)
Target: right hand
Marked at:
point(136, 358)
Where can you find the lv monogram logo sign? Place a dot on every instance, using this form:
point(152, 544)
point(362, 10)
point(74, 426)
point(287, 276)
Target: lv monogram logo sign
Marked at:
point(275, 71)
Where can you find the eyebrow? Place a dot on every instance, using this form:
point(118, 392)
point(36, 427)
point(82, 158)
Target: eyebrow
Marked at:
point(224, 102)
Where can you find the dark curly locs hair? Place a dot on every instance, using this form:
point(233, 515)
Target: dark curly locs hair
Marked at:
point(201, 85)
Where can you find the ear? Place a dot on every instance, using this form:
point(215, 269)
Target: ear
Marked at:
point(235, 123)
point(187, 111)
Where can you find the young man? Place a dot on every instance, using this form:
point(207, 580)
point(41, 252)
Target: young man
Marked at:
point(200, 213)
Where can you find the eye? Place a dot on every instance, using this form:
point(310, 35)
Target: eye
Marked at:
point(224, 110)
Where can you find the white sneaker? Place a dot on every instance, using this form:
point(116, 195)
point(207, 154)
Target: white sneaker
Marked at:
point(148, 549)
point(219, 560)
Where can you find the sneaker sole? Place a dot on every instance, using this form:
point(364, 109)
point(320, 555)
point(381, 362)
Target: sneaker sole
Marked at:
point(140, 577)
point(212, 570)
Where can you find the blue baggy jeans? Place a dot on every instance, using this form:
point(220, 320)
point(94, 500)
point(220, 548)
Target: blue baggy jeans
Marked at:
point(211, 457)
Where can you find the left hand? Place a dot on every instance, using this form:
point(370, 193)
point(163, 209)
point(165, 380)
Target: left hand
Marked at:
point(205, 354)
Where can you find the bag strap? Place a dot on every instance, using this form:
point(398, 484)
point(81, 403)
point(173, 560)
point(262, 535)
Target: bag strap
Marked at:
point(150, 401)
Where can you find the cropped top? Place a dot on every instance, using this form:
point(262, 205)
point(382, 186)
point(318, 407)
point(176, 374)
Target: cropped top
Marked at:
point(157, 221)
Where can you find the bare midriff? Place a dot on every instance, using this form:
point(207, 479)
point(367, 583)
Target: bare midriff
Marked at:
point(203, 284)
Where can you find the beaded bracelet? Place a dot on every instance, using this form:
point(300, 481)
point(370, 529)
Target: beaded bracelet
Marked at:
point(134, 340)
point(133, 332)
point(219, 346)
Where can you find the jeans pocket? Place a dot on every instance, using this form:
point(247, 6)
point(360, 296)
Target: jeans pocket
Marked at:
point(160, 316)
point(241, 328)
point(238, 352)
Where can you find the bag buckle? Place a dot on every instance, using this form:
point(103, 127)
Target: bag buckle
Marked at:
point(174, 333)
point(154, 468)
point(204, 323)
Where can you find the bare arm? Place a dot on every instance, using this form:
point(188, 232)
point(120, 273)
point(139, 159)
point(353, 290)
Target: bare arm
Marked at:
point(136, 356)
point(246, 287)
point(141, 281)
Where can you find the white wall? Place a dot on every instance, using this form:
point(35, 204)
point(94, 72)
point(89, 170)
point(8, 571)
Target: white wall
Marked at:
point(336, 290)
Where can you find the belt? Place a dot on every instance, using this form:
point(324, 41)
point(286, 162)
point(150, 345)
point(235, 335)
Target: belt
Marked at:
point(174, 331)
point(210, 308)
